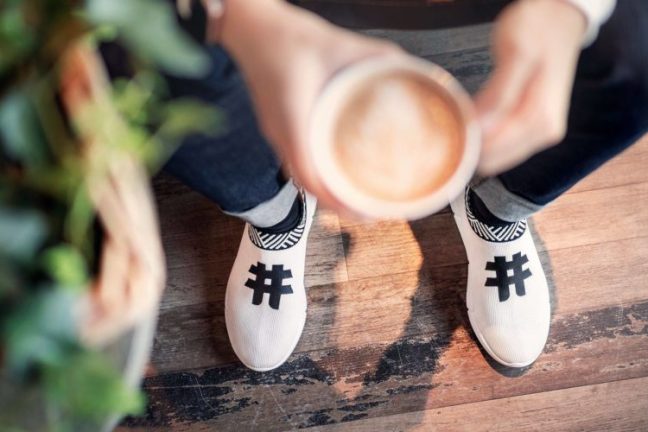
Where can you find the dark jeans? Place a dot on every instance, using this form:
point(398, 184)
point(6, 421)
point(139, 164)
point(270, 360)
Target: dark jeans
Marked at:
point(238, 169)
point(609, 112)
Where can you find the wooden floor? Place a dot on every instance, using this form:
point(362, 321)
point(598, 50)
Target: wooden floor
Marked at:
point(387, 344)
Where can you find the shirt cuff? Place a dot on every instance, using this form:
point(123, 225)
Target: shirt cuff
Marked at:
point(596, 12)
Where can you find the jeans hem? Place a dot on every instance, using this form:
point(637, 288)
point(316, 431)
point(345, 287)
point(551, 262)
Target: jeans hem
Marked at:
point(272, 211)
point(503, 203)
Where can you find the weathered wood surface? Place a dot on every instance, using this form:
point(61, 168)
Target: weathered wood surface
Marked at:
point(394, 340)
point(610, 407)
point(387, 345)
point(442, 367)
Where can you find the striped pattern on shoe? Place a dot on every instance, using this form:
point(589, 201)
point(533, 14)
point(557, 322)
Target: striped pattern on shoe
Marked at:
point(280, 241)
point(497, 234)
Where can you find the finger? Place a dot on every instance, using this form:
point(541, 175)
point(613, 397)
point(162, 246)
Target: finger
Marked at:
point(536, 124)
point(503, 91)
point(504, 158)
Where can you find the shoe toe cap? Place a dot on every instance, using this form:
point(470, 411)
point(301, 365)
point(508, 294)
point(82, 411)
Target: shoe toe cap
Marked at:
point(514, 347)
point(264, 346)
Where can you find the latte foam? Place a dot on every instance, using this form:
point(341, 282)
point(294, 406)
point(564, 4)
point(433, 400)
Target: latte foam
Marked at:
point(398, 138)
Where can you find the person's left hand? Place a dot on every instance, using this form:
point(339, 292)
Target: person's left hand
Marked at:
point(287, 58)
point(524, 106)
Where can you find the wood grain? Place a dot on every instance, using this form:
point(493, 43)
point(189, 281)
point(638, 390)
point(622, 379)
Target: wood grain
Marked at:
point(612, 407)
point(405, 14)
point(627, 168)
point(438, 369)
point(593, 217)
point(427, 43)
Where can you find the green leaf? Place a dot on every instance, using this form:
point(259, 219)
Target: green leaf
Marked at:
point(135, 97)
point(185, 116)
point(17, 39)
point(10, 279)
point(80, 217)
point(20, 129)
point(150, 30)
point(87, 386)
point(22, 232)
point(177, 119)
point(38, 329)
point(66, 265)
point(59, 181)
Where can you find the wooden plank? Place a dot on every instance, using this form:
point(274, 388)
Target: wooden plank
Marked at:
point(387, 247)
point(616, 406)
point(470, 67)
point(425, 43)
point(595, 216)
point(411, 374)
point(627, 168)
point(593, 276)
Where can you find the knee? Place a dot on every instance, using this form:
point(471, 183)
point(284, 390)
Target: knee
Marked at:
point(614, 67)
point(619, 53)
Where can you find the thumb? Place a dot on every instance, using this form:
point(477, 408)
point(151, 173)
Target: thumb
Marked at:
point(504, 90)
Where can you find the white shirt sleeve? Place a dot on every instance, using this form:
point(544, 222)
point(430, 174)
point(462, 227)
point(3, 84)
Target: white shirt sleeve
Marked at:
point(596, 12)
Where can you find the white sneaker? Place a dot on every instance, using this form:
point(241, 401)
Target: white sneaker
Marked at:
point(508, 295)
point(265, 301)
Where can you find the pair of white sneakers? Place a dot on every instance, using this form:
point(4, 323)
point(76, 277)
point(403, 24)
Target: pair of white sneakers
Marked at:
point(507, 295)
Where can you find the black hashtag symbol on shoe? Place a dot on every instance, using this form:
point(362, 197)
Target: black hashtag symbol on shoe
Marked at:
point(503, 279)
point(274, 287)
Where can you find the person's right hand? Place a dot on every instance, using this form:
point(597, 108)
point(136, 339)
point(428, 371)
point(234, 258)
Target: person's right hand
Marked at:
point(524, 106)
point(287, 55)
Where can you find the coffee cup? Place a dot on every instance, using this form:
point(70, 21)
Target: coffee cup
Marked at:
point(394, 138)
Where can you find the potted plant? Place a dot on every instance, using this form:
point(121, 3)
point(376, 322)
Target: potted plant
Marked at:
point(81, 266)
